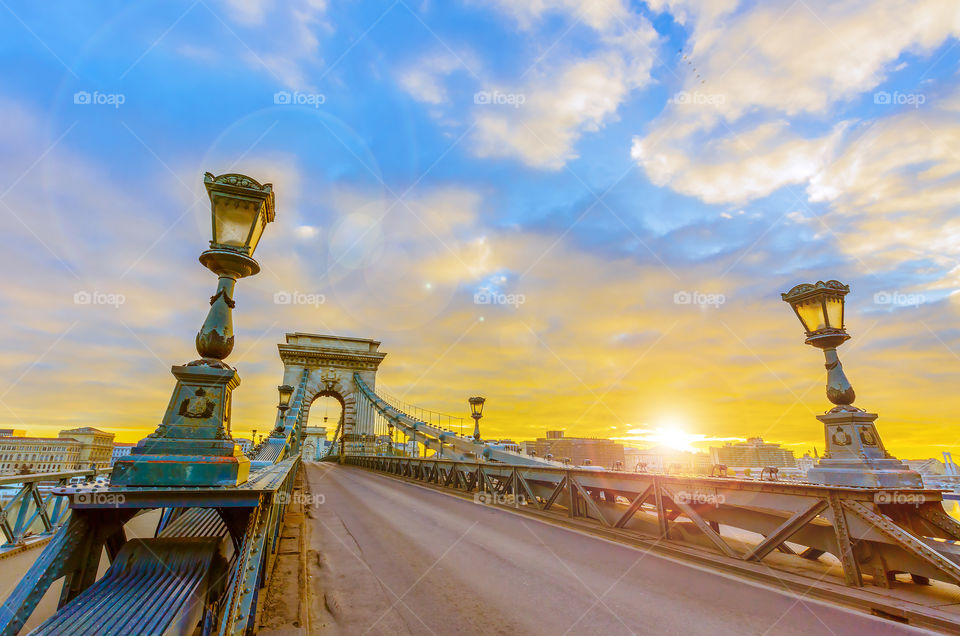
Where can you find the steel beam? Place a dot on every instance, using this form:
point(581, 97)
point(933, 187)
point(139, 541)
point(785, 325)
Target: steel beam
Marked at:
point(785, 531)
point(851, 569)
point(904, 539)
point(704, 527)
point(591, 504)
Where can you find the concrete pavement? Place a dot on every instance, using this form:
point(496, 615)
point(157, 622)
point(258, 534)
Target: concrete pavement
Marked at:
point(389, 557)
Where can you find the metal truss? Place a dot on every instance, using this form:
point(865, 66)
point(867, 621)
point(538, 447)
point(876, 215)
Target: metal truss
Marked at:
point(875, 533)
point(20, 516)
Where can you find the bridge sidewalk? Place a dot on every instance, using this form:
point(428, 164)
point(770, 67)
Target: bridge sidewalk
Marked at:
point(283, 610)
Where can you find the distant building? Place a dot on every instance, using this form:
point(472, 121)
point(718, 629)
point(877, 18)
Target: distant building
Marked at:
point(120, 449)
point(314, 442)
point(12, 432)
point(528, 447)
point(244, 444)
point(599, 452)
point(754, 453)
point(805, 463)
point(23, 455)
point(662, 459)
point(96, 445)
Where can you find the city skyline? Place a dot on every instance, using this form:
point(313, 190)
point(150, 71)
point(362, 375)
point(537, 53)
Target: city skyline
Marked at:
point(586, 216)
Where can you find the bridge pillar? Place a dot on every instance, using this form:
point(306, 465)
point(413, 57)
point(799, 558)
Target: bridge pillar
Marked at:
point(330, 363)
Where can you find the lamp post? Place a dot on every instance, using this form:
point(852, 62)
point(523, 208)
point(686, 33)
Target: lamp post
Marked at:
point(286, 392)
point(855, 455)
point(476, 412)
point(192, 445)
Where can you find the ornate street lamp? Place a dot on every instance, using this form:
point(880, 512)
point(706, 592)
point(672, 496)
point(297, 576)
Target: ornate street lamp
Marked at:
point(286, 392)
point(820, 310)
point(476, 412)
point(192, 446)
point(855, 454)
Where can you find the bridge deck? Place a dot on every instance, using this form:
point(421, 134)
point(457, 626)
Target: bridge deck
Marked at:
point(390, 557)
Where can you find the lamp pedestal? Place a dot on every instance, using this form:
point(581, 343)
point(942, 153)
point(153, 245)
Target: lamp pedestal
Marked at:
point(192, 446)
point(856, 456)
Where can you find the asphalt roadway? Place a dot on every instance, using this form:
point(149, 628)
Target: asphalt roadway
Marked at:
point(390, 557)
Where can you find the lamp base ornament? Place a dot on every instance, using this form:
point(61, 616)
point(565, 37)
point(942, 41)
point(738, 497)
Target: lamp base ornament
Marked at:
point(191, 447)
point(856, 456)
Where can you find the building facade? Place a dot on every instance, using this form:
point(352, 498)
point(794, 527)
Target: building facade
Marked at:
point(72, 450)
point(754, 453)
point(579, 450)
point(96, 445)
point(29, 455)
point(120, 449)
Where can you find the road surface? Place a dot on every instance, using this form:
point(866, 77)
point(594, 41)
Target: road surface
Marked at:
point(389, 557)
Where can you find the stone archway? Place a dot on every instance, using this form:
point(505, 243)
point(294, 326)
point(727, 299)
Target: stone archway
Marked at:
point(314, 437)
point(325, 365)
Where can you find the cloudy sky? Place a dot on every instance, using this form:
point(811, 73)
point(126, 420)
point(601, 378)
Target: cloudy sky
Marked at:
point(585, 211)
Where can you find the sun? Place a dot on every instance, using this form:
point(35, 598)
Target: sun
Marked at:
point(674, 437)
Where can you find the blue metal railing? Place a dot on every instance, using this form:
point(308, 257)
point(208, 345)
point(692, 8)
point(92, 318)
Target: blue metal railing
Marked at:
point(32, 511)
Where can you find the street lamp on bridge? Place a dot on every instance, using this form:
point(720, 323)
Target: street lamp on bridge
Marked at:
point(476, 412)
point(192, 446)
point(286, 392)
point(855, 454)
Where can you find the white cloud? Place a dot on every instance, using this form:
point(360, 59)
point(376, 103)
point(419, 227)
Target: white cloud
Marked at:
point(539, 116)
point(768, 62)
point(734, 168)
point(423, 80)
point(282, 37)
point(554, 114)
point(901, 171)
point(542, 118)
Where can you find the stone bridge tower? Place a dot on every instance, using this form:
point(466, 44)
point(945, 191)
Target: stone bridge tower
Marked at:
point(324, 366)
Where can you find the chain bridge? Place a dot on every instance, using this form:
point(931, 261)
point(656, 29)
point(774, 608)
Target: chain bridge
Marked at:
point(403, 522)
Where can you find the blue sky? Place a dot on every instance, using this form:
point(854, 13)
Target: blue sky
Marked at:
point(594, 158)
